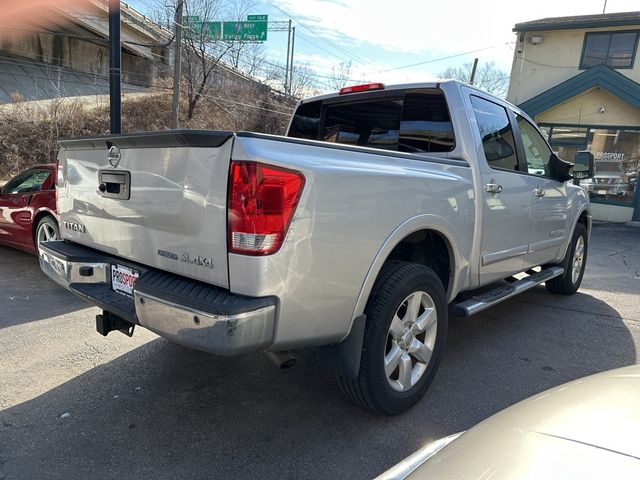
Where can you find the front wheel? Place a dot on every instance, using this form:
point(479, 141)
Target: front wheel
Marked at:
point(46, 231)
point(403, 342)
point(573, 263)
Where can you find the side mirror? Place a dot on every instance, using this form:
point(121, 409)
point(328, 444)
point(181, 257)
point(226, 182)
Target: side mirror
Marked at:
point(559, 169)
point(585, 166)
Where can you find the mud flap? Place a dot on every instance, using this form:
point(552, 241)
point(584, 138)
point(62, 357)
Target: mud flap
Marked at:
point(344, 357)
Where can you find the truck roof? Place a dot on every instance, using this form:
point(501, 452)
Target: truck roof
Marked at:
point(398, 86)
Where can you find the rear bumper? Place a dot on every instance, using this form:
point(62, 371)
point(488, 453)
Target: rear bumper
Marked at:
point(185, 311)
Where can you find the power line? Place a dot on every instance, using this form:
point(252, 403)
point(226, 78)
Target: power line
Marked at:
point(442, 58)
point(234, 102)
point(338, 48)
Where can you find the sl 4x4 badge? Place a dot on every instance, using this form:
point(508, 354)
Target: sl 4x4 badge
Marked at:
point(185, 257)
point(197, 260)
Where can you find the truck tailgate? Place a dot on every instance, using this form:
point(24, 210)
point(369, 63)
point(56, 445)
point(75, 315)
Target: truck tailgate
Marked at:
point(157, 198)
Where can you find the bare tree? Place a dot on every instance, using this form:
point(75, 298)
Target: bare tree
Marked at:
point(247, 57)
point(202, 55)
point(303, 81)
point(205, 54)
point(340, 75)
point(205, 58)
point(488, 77)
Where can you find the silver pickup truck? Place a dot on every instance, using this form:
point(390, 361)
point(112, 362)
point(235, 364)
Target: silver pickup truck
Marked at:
point(382, 210)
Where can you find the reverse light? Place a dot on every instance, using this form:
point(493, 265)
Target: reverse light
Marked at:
point(361, 88)
point(262, 201)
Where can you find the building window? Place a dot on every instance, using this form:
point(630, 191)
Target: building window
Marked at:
point(614, 49)
point(617, 158)
point(617, 155)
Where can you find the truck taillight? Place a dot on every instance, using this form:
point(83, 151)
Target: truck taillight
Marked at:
point(262, 201)
point(361, 88)
point(58, 183)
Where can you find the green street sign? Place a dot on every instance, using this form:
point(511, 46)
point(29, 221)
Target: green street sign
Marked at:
point(244, 31)
point(214, 30)
point(257, 18)
point(193, 26)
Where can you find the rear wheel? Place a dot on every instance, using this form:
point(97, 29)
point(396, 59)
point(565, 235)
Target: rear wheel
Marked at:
point(404, 338)
point(46, 231)
point(573, 263)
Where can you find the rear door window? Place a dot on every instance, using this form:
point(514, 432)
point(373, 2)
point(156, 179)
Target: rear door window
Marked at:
point(497, 136)
point(426, 124)
point(306, 121)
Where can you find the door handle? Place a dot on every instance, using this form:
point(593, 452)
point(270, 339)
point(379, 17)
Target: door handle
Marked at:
point(493, 188)
point(538, 192)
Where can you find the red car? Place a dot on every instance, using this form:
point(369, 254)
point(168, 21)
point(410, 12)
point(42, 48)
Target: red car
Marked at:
point(28, 213)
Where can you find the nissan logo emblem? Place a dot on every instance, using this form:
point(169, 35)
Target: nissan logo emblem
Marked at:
point(114, 156)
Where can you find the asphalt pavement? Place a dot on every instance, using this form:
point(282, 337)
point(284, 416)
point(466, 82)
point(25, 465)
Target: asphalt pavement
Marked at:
point(76, 405)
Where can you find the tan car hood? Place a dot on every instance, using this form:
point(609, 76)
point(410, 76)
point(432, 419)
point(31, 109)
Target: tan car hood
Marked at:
point(589, 428)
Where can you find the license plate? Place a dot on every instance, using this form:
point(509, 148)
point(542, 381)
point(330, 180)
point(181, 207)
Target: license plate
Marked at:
point(123, 279)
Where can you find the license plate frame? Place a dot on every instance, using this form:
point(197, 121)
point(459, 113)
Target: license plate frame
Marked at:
point(123, 279)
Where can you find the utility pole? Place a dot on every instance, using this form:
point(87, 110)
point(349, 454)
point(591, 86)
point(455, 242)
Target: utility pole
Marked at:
point(286, 73)
point(177, 67)
point(115, 102)
point(473, 71)
point(605, 6)
point(293, 44)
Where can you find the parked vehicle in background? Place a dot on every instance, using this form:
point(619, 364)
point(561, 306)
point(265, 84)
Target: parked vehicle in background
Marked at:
point(381, 208)
point(585, 429)
point(28, 209)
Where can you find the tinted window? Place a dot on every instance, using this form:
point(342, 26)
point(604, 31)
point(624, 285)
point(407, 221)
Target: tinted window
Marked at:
point(415, 121)
point(426, 125)
point(495, 131)
point(306, 121)
point(536, 150)
point(374, 123)
point(613, 49)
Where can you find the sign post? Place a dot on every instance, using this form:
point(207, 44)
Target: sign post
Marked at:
point(115, 102)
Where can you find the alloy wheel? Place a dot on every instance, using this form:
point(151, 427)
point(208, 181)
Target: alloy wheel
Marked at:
point(410, 341)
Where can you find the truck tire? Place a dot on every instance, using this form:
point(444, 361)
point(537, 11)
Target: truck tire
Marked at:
point(47, 230)
point(403, 339)
point(574, 263)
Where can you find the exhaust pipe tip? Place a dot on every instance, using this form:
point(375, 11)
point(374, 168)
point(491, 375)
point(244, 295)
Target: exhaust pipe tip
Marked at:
point(282, 360)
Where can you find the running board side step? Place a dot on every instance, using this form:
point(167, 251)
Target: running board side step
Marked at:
point(485, 300)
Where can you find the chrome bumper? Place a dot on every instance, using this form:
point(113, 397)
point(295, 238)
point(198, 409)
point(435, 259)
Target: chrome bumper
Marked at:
point(220, 334)
point(228, 325)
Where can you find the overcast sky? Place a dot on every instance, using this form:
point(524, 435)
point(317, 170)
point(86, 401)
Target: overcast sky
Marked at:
point(379, 37)
point(383, 38)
